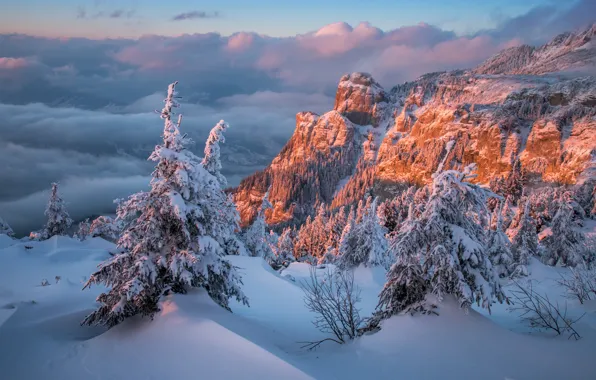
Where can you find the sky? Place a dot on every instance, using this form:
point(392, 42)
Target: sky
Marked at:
point(133, 18)
point(80, 79)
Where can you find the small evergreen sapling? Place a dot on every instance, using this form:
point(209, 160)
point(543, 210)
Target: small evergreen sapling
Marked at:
point(59, 220)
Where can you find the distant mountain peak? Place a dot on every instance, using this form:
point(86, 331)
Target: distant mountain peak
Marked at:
point(566, 51)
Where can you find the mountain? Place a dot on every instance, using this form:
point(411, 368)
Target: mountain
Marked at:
point(520, 104)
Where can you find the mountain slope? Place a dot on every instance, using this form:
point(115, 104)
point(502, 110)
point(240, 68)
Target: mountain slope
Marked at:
point(515, 105)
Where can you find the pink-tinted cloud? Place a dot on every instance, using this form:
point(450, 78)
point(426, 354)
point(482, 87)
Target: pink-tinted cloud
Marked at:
point(8, 63)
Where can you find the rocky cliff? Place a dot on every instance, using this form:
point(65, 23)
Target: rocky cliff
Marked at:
point(517, 104)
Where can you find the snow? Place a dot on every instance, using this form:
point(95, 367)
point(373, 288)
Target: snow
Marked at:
point(192, 337)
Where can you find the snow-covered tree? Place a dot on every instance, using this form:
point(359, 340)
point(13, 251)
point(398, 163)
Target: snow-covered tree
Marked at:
point(449, 239)
point(514, 183)
point(83, 230)
point(59, 220)
point(564, 245)
point(406, 286)
point(105, 227)
point(507, 213)
point(256, 235)
point(524, 241)
point(369, 243)
point(337, 222)
point(499, 246)
point(348, 240)
point(284, 251)
point(212, 159)
point(5, 228)
point(173, 242)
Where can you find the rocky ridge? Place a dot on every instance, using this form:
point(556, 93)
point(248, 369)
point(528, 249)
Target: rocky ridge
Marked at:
point(517, 104)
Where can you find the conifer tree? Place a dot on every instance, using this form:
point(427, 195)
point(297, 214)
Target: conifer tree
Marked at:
point(285, 248)
point(499, 246)
point(83, 230)
point(5, 228)
point(58, 218)
point(212, 159)
point(347, 242)
point(449, 240)
point(524, 241)
point(256, 235)
point(564, 245)
point(514, 183)
point(172, 240)
point(106, 228)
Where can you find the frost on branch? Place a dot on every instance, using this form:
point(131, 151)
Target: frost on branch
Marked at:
point(174, 235)
point(58, 218)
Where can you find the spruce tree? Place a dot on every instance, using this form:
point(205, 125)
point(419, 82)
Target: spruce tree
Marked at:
point(83, 230)
point(514, 183)
point(59, 220)
point(347, 243)
point(256, 236)
point(172, 241)
point(564, 245)
point(524, 241)
point(106, 228)
point(212, 159)
point(499, 246)
point(449, 240)
point(284, 250)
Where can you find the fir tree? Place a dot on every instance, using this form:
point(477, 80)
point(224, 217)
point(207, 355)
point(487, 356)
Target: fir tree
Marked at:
point(524, 241)
point(172, 242)
point(449, 239)
point(256, 235)
point(212, 159)
point(369, 243)
point(405, 287)
point(83, 230)
point(58, 218)
point(106, 228)
point(284, 250)
point(499, 246)
point(564, 245)
point(347, 242)
point(5, 228)
point(514, 183)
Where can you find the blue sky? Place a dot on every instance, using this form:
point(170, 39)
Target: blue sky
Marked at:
point(272, 17)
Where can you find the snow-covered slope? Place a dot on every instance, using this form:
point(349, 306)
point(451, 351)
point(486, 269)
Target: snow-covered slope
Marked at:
point(40, 335)
point(516, 105)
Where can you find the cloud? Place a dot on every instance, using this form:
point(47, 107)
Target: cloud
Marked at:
point(79, 111)
point(193, 15)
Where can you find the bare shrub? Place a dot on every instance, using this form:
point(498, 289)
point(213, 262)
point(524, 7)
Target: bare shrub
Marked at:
point(333, 299)
point(580, 284)
point(540, 312)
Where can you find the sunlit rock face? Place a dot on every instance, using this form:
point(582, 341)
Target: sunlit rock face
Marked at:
point(517, 104)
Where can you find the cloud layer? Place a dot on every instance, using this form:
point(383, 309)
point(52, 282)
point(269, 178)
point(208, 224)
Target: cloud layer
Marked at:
point(79, 111)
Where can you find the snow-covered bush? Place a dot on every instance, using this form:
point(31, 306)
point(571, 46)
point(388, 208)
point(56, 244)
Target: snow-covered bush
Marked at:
point(5, 228)
point(333, 299)
point(59, 220)
point(174, 238)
